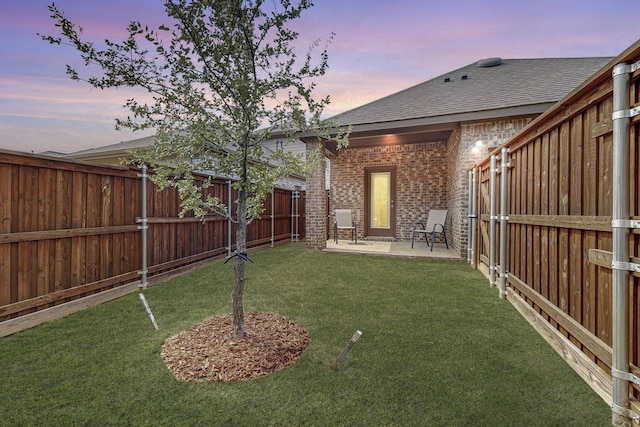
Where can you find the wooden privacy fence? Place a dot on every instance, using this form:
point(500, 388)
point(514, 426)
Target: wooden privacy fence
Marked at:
point(70, 230)
point(545, 210)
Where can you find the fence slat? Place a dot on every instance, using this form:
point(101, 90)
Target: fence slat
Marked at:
point(5, 227)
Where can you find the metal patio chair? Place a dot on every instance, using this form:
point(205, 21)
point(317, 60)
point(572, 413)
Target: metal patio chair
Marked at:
point(435, 225)
point(344, 222)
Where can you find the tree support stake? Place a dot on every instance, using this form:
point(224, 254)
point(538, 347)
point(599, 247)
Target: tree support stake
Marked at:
point(346, 350)
point(149, 313)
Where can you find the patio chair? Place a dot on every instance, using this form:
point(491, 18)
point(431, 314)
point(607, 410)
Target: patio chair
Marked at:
point(344, 222)
point(435, 225)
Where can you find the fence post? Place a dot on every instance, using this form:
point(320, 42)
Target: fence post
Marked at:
point(621, 414)
point(492, 221)
point(229, 210)
point(273, 212)
point(143, 228)
point(474, 204)
point(295, 214)
point(503, 222)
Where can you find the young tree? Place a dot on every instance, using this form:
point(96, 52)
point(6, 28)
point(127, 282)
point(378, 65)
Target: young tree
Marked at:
point(221, 75)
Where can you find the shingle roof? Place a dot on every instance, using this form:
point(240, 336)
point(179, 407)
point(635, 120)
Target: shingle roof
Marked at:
point(512, 83)
point(118, 148)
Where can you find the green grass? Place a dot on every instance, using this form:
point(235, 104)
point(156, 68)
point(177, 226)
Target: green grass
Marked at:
point(438, 348)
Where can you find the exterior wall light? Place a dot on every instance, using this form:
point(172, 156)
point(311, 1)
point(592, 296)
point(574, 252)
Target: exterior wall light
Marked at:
point(477, 147)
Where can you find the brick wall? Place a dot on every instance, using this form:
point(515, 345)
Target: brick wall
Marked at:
point(431, 175)
point(421, 177)
point(316, 202)
point(460, 159)
point(456, 189)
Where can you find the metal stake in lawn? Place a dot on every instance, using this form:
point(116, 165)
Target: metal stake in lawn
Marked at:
point(148, 310)
point(350, 344)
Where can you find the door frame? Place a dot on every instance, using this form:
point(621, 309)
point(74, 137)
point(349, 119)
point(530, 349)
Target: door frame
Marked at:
point(377, 232)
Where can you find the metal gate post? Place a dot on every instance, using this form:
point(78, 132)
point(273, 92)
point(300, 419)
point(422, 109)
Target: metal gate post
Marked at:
point(273, 212)
point(474, 210)
point(492, 221)
point(503, 222)
point(143, 228)
point(470, 219)
point(295, 214)
point(229, 219)
point(621, 414)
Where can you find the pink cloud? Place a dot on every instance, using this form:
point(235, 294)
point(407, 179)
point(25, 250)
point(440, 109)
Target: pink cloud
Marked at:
point(379, 48)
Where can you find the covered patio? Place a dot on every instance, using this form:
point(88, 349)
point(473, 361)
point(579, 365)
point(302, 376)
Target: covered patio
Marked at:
point(410, 152)
point(392, 248)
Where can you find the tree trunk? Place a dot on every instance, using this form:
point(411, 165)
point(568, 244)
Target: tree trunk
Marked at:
point(241, 247)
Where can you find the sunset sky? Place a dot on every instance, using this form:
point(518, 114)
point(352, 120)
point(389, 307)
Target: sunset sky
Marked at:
point(380, 47)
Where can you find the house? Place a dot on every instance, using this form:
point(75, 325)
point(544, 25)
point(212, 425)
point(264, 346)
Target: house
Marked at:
point(411, 151)
point(117, 154)
point(113, 154)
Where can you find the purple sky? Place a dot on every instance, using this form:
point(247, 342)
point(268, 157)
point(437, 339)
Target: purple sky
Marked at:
point(380, 47)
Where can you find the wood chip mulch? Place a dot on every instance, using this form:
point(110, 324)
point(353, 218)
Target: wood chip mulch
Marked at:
point(208, 351)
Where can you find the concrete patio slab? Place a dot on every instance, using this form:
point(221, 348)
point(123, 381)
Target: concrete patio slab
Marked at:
point(392, 249)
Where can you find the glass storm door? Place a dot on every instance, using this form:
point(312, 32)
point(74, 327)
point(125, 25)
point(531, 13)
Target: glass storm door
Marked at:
point(380, 202)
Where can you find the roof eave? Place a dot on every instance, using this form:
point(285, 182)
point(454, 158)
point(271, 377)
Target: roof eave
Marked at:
point(444, 121)
point(100, 155)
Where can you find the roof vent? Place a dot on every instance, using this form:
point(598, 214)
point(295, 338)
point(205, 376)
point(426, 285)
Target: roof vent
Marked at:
point(464, 77)
point(447, 79)
point(489, 62)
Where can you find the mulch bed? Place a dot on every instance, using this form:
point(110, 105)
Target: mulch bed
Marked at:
point(208, 351)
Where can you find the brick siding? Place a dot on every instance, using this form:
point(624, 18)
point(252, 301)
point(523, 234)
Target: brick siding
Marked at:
point(316, 203)
point(460, 159)
point(420, 181)
point(430, 175)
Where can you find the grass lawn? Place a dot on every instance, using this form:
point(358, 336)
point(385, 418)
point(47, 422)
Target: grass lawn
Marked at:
point(438, 348)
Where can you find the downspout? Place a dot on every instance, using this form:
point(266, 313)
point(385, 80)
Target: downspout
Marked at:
point(492, 221)
point(621, 413)
point(503, 222)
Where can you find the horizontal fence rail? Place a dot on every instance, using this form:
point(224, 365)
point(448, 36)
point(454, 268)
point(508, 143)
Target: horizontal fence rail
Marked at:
point(556, 209)
point(70, 230)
